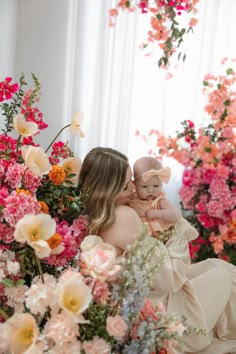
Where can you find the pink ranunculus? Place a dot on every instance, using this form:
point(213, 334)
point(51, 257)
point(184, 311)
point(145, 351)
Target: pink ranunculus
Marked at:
point(116, 327)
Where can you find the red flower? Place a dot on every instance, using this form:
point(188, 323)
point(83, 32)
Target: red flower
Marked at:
point(7, 90)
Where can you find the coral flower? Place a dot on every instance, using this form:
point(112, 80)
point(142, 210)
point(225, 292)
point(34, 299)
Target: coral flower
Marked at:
point(75, 124)
point(23, 127)
point(43, 206)
point(19, 190)
point(57, 175)
point(36, 159)
point(20, 333)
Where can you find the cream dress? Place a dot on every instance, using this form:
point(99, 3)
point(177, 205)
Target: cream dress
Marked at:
point(205, 292)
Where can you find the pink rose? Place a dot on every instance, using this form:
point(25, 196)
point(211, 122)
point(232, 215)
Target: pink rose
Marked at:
point(100, 261)
point(116, 327)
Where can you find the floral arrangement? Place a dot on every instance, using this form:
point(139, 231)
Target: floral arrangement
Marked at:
point(164, 26)
point(208, 155)
point(59, 290)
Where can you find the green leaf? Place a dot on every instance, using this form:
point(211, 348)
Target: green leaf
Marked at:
point(205, 83)
point(227, 103)
point(20, 282)
point(229, 71)
point(8, 282)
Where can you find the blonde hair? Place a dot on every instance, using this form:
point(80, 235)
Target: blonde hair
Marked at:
point(144, 164)
point(102, 178)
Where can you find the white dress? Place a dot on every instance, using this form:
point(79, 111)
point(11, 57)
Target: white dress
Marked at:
point(205, 292)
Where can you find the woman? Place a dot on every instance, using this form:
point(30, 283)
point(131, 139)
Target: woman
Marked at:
point(204, 292)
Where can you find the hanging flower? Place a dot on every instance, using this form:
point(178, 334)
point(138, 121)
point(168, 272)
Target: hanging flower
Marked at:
point(164, 28)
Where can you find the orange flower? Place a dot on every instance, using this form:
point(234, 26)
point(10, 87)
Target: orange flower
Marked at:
point(19, 190)
point(54, 241)
point(44, 207)
point(57, 175)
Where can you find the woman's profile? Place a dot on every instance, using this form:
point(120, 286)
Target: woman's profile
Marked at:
point(205, 293)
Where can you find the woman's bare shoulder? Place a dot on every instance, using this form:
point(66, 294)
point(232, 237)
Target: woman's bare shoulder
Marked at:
point(127, 212)
point(125, 228)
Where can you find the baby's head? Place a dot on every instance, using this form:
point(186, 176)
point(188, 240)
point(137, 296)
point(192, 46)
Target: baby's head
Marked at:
point(147, 180)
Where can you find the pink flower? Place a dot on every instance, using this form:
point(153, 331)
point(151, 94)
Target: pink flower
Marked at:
point(116, 327)
point(96, 346)
point(148, 310)
point(100, 261)
point(215, 209)
point(101, 292)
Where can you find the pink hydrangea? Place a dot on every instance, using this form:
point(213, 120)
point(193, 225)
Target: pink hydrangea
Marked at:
point(14, 175)
point(16, 206)
point(6, 233)
point(218, 188)
point(187, 194)
point(215, 209)
point(31, 182)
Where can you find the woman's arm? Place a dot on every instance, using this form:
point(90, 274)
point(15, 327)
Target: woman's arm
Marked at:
point(124, 230)
point(167, 212)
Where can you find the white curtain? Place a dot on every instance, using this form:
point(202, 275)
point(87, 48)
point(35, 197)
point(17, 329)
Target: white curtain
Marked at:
point(120, 90)
point(84, 65)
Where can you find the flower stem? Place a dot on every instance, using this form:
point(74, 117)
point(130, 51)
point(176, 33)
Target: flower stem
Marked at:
point(66, 126)
point(39, 268)
point(3, 314)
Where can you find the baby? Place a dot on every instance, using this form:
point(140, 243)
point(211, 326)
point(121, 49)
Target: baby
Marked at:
point(149, 201)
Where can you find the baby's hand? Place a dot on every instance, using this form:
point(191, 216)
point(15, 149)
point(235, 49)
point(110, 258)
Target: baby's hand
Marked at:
point(151, 214)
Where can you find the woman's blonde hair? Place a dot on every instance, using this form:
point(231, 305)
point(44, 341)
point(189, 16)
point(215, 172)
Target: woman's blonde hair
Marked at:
point(102, 178)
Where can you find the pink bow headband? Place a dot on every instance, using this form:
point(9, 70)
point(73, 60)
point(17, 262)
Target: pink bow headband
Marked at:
point(163, 174)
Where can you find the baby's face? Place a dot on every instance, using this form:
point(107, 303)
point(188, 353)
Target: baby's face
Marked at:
point(148, 190)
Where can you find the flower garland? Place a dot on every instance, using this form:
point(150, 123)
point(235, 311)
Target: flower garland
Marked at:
point(209, 157)
point(164, 26)
point(59, 290)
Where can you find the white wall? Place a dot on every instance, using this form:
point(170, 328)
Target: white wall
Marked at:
point(41, 46)
point(8, 23)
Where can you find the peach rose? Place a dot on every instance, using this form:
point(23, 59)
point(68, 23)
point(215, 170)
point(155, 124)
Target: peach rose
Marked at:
point(116, 327)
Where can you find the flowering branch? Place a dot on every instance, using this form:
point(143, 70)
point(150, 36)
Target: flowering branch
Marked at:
point(164, 27)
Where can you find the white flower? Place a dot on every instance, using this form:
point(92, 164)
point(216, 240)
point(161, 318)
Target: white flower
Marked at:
point(72, 165)
point(74, 297)
point(75, 124)
point(23, 127)
point(20, 332)
point(35, 230)
point(36, 160)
